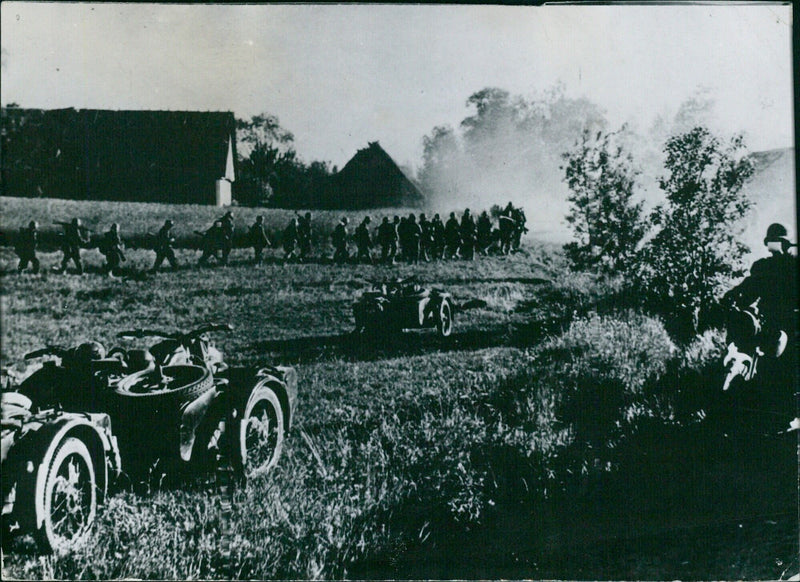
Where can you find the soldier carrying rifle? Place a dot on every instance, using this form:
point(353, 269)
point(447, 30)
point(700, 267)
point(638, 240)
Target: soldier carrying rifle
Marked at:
point(226, 241)
point(289, 239)
point(26, 247)
point(212, 242)
point(74, 237)
point(363, 241)
point(258, 239)
point(111, 247)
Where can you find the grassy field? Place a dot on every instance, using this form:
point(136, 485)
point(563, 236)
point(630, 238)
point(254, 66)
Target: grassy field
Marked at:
point(556, 434)
point(136, 219)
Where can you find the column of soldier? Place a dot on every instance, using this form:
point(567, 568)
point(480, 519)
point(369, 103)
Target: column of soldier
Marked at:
point(405, 239)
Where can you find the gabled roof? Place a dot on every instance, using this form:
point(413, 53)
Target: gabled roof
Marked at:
point(164, 156)
point(372, 179)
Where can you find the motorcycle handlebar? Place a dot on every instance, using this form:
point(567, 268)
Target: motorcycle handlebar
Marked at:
point(209, 327)
point(57, 351)
point(140, 333)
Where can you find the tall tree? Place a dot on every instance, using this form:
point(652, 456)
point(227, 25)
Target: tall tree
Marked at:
point(604, 218)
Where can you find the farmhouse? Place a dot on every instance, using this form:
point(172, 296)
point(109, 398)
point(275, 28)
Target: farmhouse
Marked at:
point(177, 157)
point(372, 179)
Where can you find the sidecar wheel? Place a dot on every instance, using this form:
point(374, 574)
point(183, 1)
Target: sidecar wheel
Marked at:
point(258, 438)
point(69, 497)
point(444, 319)
point(180, 384)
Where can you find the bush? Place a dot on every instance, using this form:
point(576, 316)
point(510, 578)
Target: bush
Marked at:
point(582, 392)
point(605, 221)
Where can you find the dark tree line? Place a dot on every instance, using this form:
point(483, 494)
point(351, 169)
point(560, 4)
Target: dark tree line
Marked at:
point(270, 173)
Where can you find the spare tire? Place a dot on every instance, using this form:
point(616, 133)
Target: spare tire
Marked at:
point(175, 384)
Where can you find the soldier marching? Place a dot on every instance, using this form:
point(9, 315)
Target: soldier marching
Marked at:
point(408, 239)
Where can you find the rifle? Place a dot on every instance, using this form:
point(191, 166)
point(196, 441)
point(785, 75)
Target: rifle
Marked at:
point(65, 224)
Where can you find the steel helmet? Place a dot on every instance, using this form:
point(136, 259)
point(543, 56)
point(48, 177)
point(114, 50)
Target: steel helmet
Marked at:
point(776, 233)
point(90, 351)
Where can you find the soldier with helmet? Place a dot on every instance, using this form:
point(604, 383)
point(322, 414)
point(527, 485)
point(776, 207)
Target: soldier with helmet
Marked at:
point(74, 238)
point(772, 285)
point(387, 238)
point(413, 235)
point(452, 235)
point(26, 247)
point(258, 239)
point(363, 240)
point(289, 239)
point(212, 242)
point(467, 236)
point(226, 240)
point(437, 237)
point(111, 248)
point(484, 233)
point(163, 246)
point(425, 239)
point(339, 239)
point(304, 236)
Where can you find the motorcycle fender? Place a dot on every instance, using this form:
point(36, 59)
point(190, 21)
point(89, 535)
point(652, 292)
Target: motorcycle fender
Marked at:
point(192, 417)
point(285, 376)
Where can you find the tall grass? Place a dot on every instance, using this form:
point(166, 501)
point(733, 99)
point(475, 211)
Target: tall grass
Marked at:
point(402, 447)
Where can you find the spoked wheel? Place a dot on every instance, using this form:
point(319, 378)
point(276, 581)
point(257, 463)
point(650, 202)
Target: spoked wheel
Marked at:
point(69, 502)
point(182, 383)
point(444, 322)
point(259, 435)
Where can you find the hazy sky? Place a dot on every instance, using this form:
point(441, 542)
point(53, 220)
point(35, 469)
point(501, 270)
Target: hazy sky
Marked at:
point(340, 76)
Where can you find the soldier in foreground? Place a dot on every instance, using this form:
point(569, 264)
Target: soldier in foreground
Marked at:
point(339, 238)
point(163, 247)
point(111, 248)
point(363, 241)
point(772, 285)
point(26, 247)
point(258, 239)
point(74, 237)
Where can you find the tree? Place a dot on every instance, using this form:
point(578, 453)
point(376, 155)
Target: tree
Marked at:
point(440, 156)
point(603, 216)
point(695, 253)
point(267, 160)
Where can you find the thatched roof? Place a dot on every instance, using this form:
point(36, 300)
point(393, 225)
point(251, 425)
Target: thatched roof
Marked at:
point(372, 179)
point(144, 156)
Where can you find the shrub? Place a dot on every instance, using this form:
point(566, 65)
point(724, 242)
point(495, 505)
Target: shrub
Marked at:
point(695, 253)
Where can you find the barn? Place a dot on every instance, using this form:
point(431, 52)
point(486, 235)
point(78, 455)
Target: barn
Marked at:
point(180, 157)
point(372, 179)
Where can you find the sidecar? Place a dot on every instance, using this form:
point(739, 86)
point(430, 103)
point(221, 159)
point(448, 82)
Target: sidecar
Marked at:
point(80, 420)
point(404, 304)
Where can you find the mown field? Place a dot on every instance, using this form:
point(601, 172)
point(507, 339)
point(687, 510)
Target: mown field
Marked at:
point(556, 434)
